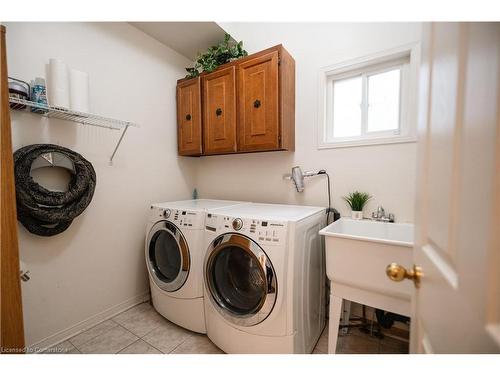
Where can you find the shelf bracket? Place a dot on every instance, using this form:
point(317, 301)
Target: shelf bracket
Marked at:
point(118, 144)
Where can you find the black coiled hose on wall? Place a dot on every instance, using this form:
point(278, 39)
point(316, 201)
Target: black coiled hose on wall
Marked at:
point(45, 212)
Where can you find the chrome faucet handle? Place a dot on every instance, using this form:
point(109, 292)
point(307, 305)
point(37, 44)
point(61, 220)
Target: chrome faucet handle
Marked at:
point(380, 212)
point(381, 216)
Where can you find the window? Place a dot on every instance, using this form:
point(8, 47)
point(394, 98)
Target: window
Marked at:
point(368, 102)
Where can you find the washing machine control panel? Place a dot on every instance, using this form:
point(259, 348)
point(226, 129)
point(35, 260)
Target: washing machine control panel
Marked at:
point(268, 232)
point(265, 232)
point(183, 219)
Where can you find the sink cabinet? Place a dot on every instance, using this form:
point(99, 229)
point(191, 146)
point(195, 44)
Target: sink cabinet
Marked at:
point(248, 105)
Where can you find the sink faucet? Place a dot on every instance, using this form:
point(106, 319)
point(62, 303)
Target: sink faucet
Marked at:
point(381, 216)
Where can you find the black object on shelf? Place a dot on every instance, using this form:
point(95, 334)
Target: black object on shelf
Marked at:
point(18, 89)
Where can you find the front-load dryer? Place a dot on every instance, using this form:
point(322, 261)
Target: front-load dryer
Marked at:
point(264, 273)
point(174, 254)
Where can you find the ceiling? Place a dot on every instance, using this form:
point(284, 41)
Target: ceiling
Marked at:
point(187, 38)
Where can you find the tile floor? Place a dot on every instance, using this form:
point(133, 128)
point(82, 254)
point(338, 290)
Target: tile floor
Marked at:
point(357, 342)
point(141, 330)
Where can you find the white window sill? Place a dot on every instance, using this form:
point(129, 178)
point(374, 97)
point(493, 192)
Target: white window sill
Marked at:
point(367, 142)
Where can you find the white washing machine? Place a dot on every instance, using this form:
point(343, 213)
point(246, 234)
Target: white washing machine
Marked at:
point(174, 257)
point(264, 276)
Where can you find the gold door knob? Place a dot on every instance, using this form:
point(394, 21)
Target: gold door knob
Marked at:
point(397, 272)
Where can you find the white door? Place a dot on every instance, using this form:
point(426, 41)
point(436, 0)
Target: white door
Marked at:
point(457, 307)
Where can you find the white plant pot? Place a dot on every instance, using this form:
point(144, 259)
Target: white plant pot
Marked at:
point(357, 215)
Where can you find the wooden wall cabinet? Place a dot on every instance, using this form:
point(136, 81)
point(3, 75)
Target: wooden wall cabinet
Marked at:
point(248, 106)
point(219, 111)
point(189, 117)
point(258, 103)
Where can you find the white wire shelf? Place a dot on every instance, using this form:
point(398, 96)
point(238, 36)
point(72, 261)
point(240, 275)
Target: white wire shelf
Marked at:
point(69, 115)
point(74, 116)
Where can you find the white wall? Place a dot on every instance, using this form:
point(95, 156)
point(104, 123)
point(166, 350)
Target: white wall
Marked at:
point(97, 265)
point(387, 172)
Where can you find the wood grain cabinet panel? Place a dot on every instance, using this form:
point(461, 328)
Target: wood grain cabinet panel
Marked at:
point(248, 105)
point(189, 117)
point(258, 103)
point(219, 111)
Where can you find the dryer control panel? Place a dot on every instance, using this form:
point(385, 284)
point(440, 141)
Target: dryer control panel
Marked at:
point(265, 232)
point(181, 218)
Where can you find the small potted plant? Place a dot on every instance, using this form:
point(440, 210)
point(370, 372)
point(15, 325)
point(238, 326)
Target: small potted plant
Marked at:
point(226, 51)
point(357, 202)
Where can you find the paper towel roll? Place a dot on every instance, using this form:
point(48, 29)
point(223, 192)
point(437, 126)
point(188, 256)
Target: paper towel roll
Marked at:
point(79, 90)
point(57, 85)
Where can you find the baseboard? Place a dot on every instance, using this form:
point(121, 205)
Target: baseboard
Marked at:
point(65, 334)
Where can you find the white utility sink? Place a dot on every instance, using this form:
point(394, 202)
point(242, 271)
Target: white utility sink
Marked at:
point(373, 231)
point(357, 254)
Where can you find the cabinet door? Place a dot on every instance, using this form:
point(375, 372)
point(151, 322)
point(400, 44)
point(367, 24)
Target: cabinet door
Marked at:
point(258, 103)
point(219, 111)
point(189, 117)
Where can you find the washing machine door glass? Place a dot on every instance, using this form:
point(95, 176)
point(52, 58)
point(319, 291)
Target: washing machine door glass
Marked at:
point(168, 256)
point(241, 279)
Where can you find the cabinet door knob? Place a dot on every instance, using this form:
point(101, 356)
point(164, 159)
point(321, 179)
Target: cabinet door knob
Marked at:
point(218, 111)
point(256, 103)
point(188, 117)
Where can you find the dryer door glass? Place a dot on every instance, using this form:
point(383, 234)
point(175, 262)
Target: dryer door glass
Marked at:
point(241, 279)
point(168, 256)
point(165, 256)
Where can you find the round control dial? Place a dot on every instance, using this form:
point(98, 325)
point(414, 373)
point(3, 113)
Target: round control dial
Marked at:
point(166, 213)
point(237, 224)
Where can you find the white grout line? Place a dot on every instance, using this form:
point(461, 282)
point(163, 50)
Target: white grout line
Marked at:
point(121, 350)
point(141, 337)
point(138, 337)
point(187, 338)
point(89, 323)
point(106, 331)
point(90, 339)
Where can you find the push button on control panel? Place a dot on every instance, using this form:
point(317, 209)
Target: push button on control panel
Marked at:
point(253, 226)
point(269, 232)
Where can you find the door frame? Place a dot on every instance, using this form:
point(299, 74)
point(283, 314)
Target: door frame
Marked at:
point(11, 311)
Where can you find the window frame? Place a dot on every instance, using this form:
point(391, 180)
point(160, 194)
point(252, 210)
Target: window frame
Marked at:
point(407, 59)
